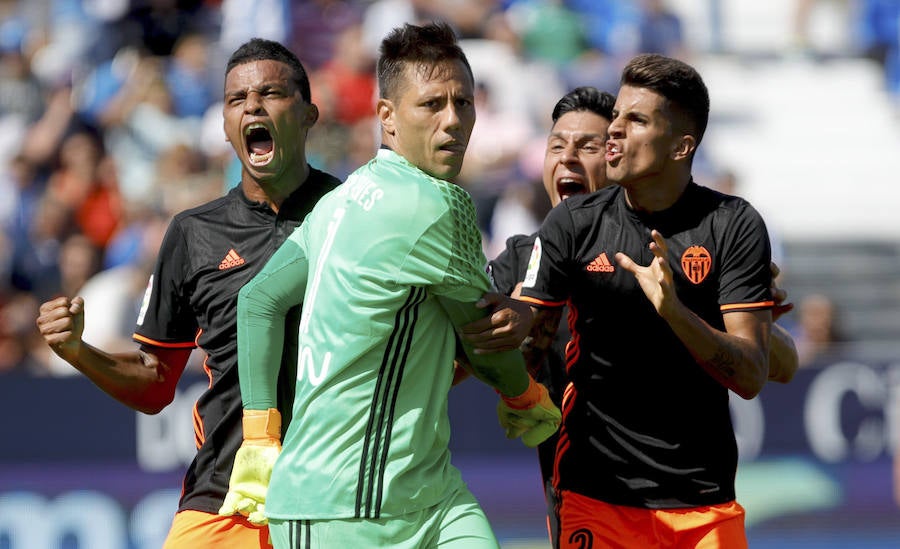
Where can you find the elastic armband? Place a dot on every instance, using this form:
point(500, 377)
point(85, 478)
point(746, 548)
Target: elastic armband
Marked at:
point(528, 399)
point(262, 424)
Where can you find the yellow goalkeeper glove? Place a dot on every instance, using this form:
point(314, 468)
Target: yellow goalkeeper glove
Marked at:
point(253, 466)
point(531, 415)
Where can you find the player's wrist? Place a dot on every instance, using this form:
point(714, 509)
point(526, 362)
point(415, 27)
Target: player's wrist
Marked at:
point(262, 425)
point(529, 398)
point(672, 310)
point(70, 351)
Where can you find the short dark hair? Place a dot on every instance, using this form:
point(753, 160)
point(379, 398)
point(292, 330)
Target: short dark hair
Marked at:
point(675, 80)
point(260, 49)
point(427, 46)
point(585, 98)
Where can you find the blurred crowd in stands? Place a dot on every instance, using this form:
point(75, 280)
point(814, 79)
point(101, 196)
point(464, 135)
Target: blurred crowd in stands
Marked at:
point(110, 121)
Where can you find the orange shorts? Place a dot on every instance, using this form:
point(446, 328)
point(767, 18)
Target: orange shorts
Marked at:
point(586, 523)
point(199, 530)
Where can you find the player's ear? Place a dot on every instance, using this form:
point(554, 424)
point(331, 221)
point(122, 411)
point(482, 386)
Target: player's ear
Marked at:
point(683, 147)
point(312, 114)
point(385, 111)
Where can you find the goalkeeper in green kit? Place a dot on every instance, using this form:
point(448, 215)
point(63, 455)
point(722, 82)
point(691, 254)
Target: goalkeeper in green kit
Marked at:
point(387, 267)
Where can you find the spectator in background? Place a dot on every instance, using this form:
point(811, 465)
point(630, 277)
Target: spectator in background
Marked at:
point(342, 149)
point(345, 86)
point(138, 119)
point(346, 81)
point(802, 13)
point(21, 94)
point(160, 24)
point(19, 194)
point(85, 182)
point(184, 179)
point(549, 30)
point(491, 165)
point(611, 26)
point(824, 29)
point(242, 20)
point(660, 30)
point(17, 336)
point(879, 38)
point(518, 85)
point(817, 331)
point(187, 78)
point(467, 17)
point(37, 247)
point(515, 93)
point(382, 16)
point(317, 28)
point(79, 260)
point(60, 40)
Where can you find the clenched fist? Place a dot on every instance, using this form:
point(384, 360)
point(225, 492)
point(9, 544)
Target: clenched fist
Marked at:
point(61, 323)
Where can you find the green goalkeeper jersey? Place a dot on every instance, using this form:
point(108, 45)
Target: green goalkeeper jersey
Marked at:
point(369, 431)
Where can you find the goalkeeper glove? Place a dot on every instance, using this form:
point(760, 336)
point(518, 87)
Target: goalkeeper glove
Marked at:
point(531, 415)
point(253, 466)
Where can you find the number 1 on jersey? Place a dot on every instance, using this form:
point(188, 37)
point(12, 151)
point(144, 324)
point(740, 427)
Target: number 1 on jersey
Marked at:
point(305, 359)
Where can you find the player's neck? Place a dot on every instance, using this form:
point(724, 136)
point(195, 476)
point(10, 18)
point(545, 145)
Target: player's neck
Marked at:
point(655, 194)
point(275, 191)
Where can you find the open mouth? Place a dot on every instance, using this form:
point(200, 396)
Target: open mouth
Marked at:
point(566, 187)
point(260, 144)
point(613, 151)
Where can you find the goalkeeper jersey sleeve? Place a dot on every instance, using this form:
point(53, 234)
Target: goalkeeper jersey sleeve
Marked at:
point(263, 305)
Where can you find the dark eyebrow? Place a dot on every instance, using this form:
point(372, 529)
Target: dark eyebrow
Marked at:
point(581, 136)
point(636, 115)
point(269, 86)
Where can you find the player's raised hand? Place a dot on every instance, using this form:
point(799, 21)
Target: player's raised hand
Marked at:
point(61, 323)
point(656, 278)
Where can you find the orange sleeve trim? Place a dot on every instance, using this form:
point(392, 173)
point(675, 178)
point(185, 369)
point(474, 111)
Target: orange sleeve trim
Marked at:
point(147, 340)
point(745, 306)
point(541, 302)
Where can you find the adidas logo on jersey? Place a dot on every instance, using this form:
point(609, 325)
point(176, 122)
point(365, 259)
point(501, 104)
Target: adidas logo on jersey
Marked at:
point(600, 264)
point(232, 259)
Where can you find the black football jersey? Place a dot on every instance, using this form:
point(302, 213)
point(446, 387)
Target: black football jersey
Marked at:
point(644, 425)
point(208, 254)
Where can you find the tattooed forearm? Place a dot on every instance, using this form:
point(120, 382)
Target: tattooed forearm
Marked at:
point(725, 359)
